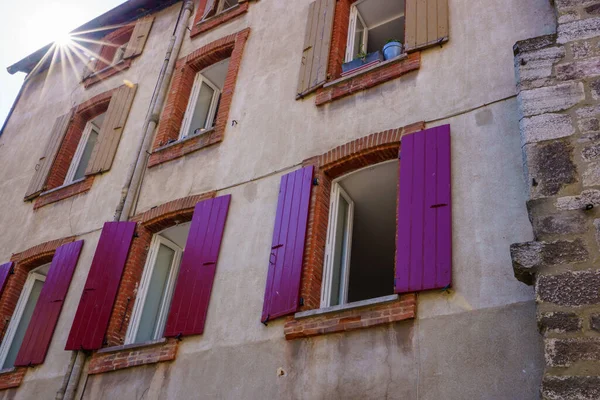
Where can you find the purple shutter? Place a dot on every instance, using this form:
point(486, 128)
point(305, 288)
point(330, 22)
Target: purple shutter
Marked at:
point(198, 266)
point(285, 260)
point(47, 310)
point(424, 242)
point(5, 270)
point(100, 290)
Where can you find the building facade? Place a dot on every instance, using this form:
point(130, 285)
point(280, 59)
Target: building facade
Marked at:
point(347, 218)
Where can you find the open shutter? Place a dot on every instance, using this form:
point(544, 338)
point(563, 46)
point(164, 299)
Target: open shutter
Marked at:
point(426, 23)
point(47, 310)
point(209, 9)
point(285, 259)
point(100, 290)
point(5, 271)
point(111, 130)
point(139, 37)
point(424, 241)
point(42, 168)
point(198, 266)
point(317, 40)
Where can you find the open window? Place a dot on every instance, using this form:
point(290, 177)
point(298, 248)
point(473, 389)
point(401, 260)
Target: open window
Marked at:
point(360, 246)
point(216, 7)
point(203, 104)
point(372, 24)
point(83, 154)
point(157, 285)
point(21, 318)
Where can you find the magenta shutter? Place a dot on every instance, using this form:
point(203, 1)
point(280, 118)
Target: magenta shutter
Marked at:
point(198, 266)
point(100, 290)
point(424, 242)
point(287, 250)
point(5, 271)
point(47, 310)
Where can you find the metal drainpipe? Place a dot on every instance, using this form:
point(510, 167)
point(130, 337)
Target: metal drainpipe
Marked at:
point(131, 189)
point(133, 186)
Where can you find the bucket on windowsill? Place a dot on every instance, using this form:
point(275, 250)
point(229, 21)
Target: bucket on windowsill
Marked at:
point(392, 50)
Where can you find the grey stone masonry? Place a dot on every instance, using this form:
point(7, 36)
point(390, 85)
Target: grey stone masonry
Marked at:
point(558, 86)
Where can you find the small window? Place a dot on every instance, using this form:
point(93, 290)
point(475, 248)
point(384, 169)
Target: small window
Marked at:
point(82, 156)
point(361, 236)
point(19, 322)
point(157, 285)
point(202, 109)
point(372, 24)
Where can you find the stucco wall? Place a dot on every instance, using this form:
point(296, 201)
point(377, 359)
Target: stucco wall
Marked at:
point(477, 341)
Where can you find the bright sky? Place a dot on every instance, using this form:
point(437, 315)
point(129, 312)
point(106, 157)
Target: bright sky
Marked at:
point(25, 27)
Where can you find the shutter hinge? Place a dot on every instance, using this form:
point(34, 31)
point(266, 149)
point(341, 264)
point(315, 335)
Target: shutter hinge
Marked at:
point(179, 336)
point(266, 320)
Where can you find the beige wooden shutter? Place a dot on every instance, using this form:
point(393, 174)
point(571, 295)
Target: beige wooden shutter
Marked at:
point(42, 168)
point(426, 23)
point(210, 9)
point(317, 39)
point(111, 130)
point(139, 37)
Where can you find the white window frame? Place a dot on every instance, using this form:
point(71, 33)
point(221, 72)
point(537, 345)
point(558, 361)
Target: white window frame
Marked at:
point(221, 5)
point(336, 193)
point(142, 293)
point(354, 16)
point(89, 127)
point(18, 313)
point(189, 112)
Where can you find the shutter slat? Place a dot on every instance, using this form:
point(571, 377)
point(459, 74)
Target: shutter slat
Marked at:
point(139, 36)
point(424, 241)
point(426, 23)
point(5, 270)
point(317, 40)
point(47, 310)
point(100, 290)
point(42, 168)
point(282, 289)
point(187, 315)
point(111, 130)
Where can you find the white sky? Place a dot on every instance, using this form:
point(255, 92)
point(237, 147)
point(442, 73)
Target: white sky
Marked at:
point(26, 26)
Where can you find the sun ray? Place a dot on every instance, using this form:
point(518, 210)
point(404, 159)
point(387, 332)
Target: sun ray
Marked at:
point(104, 28)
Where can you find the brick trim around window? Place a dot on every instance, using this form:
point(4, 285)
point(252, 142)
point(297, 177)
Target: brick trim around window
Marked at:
point(360, 153)
point(64, 192)
point(166, 144)
point(121, 357)
point(202, 26)
point(12, 378)
point(24, 261)
point(106, 73)
point(148, 223)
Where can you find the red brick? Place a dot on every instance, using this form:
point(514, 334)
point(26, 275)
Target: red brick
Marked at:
point(126, 358)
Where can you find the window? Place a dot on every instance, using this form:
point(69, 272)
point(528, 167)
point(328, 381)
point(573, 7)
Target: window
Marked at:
point(84, 150)
point(157, 285)
point(215, 7)
point(225, 5)
point(360, 246)
point(22, 316)
point(372, 24)
point(203, 104)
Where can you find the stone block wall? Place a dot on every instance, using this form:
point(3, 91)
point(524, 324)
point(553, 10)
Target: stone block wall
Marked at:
point(558, 83)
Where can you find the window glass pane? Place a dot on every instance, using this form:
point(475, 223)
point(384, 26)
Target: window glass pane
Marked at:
point(359, 44)
point(156, 294)
point(340, 250)
point(202, 109)
point(23, 324)
point(87, 154)
point(229, 3)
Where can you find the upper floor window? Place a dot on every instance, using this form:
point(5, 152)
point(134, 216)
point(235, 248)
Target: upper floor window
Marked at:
point(215, 7)
point(372, 24)
point(157, 285)
point(22, 316)
point(203, 103)
point(84, 150)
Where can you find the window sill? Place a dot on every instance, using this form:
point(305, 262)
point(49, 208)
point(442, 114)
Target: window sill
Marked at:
point(64, 192)
point(12, 377)
point(185, 146)
point(368, 78)
point(132, 355)
point(106, 72)
point(228, 15)
point(353, 316)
